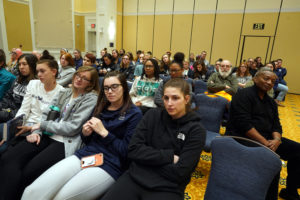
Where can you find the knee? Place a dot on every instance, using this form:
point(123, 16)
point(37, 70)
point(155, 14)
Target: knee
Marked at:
point(30, 193)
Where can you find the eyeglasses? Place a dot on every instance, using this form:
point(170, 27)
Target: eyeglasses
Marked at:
point(77, 76)
point(113, 87)
point(149, 66)
point(125, 58)
point(227, 66)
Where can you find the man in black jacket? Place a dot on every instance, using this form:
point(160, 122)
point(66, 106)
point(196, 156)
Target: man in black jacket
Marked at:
point(253, 114)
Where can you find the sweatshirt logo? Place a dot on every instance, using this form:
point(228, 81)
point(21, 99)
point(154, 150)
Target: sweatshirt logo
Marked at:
point(181, 136)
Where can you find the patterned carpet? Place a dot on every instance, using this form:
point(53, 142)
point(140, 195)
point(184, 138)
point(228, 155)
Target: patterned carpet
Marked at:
point(290, 121)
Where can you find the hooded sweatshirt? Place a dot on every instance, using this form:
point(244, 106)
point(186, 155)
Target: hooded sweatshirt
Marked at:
point(157, 139)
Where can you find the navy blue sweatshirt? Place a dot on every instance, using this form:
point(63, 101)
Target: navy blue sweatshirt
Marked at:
point(115, 145)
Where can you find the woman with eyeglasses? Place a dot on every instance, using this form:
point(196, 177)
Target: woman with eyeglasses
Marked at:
point(164, 149)
point(108, 132)
point(51, 139)
point(176, 70)
point(127, 68)
point(144, 87)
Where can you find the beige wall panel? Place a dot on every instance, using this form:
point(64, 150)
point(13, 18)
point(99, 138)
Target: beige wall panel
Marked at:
point(79, 33)
point(145, 32)
point(17, 20)
point(265, 5)
point(269, 19)
point(226, 38)
point(162, 35)
point(146, 7)
point(181, 34)
point(255, 46)
point(202, 33)
point(164, 7)
point(206, 6)
point(287, 45)
point(129, 33)
point(119, 32)
point(53, 30)
point(85, 5)
point(130, 7)
point(184, 6)
point(231, 6)
point(291, 5)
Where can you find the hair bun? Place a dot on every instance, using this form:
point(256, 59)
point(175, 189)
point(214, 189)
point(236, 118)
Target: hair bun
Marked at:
point(46, 55)
point(179, 57)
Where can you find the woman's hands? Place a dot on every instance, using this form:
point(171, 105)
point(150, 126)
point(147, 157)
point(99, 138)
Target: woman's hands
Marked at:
point(94, 124)
point(34, 137)
point(35, 127)
point(23, 129)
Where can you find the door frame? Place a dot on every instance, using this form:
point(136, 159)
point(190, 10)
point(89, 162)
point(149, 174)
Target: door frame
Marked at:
point(243, 45)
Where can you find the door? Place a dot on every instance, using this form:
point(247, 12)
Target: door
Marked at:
point(254, 46)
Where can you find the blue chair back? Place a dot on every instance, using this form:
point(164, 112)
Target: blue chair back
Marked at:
point(240, 172)
point(200, 86)
point(211, 110)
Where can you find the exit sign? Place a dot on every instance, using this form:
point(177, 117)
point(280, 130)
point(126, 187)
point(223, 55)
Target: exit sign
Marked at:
point(258, 26)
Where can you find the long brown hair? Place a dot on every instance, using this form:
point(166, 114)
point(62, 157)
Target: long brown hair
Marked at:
point(103, 103)
point(198, 73)
point(31, 61)
point(238, 72)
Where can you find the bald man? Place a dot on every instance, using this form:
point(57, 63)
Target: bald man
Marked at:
point(223, 80)
point(254, 115)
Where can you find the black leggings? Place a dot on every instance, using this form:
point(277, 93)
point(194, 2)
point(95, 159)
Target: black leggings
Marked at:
point(126, 189)
point(21, 164)
point(289, 151)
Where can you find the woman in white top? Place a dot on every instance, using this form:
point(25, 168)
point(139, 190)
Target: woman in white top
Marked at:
point(66, 70)
point(242, 75)
point(50, 141)
point(144, 87)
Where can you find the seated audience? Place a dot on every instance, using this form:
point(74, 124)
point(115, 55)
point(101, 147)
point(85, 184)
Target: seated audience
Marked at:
point(200, 71)
point(108, 132)
point(187, 70)
point(242, 75)
point(176, 71)
point(164, 149)
point(281, 88)
point(6, 78)
point(12, 65)
point(223, 80)
point(66, 70)
point(13, 98)
point(77, 58)
point(165, 64)
point(50, 140)
point(108, 65)
point(89, 60)
point(254, 115)
point(116, 57)
point(138, 71)
point(202, 57)
point(127, 68)
point(144, 87)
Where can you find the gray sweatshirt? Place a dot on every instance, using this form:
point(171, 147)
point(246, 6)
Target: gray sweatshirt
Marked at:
point(77, 114)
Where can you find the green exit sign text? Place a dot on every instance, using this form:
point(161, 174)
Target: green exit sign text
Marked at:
point(258, 26)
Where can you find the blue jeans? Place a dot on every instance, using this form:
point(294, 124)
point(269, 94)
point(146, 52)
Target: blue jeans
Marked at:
point(283, 89)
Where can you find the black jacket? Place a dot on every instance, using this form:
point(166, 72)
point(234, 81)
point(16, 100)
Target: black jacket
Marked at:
point(12, 101)
point(152, 148)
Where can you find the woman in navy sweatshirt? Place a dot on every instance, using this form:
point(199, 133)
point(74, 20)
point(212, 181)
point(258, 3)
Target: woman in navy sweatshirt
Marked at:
point(108, 132)
point(164, 150)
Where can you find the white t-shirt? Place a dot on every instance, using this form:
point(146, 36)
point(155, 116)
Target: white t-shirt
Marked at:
point(35, 100)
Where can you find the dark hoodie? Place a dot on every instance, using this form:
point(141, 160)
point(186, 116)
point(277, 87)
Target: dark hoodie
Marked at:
point(152, 148)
